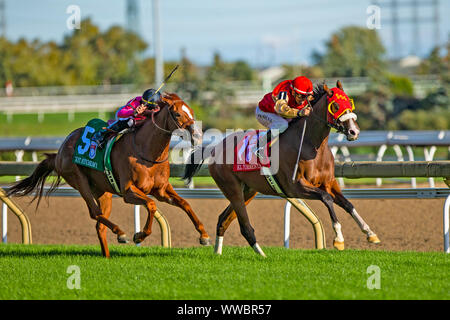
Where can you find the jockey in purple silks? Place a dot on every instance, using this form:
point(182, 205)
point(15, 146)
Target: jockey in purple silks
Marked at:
point(127, 116)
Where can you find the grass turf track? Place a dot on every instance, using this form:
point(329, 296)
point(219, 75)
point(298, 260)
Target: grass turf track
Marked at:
point(40, 272)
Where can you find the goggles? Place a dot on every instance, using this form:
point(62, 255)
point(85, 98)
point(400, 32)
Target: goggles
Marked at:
point(301, 95)
point(149, 103)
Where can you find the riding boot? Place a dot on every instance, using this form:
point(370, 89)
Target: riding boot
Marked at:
point(259, 152)
point(121, 125)
point(99, 138)
point(117, 126)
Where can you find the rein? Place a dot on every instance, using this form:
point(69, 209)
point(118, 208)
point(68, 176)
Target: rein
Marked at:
point(339, 127)
point(140, 154)
point(153, 111)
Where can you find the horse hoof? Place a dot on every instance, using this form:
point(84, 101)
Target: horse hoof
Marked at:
point(373, 239)
point(138, 237)
point(205, 241)
point(339, 245)
point(258, 250)
point(122, 238)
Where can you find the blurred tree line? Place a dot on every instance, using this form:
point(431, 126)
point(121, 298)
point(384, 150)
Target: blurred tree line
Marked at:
point(85, 57)
point(89, 56)
point(389, 103)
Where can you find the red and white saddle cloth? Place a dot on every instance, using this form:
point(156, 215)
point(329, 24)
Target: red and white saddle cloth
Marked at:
point(245, 158)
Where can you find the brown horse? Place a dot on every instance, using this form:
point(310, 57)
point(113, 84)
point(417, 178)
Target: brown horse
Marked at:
point(140, 166)
point(314, 179)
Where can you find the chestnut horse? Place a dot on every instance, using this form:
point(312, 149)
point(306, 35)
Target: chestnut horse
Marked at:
point(140, 166)
point(314, 179)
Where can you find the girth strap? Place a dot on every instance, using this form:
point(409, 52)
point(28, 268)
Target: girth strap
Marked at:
point(107, 163)
point(273, 182)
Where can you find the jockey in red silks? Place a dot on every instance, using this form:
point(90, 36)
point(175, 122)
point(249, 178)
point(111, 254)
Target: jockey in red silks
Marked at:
point(129, 114)
point(288, 100)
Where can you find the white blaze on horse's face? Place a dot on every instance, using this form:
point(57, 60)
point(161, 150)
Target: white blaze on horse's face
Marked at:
point(196, 133)
point(188, 111)
point(348, 119)
point(183, 113)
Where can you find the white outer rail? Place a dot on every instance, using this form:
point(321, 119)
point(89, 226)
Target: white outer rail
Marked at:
point(446, 225)
point(418, 193)
point(397, 194)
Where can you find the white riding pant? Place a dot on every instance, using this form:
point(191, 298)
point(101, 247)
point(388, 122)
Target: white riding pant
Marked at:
point(272, 120)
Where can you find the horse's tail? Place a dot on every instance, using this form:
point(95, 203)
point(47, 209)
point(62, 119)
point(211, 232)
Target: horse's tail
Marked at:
point(36, 180)
point(194, 164)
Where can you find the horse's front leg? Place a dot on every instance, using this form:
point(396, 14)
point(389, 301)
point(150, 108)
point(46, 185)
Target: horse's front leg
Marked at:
point(170, 196)
point(341, 201)
point(135, 196)
point(328, 201)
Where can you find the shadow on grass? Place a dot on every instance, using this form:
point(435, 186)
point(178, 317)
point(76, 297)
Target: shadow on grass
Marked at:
point(42, 252)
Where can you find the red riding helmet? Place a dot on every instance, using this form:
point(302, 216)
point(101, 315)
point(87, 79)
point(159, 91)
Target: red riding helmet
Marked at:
point(302, 85)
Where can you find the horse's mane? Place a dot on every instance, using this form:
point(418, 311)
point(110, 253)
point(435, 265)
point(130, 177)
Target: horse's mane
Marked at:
point(318, 92)
point(170, 95)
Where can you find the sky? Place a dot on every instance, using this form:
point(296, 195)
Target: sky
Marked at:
point(261, 32)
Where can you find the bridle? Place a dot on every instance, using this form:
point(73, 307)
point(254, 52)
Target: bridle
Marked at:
point(153, 111)
point(172, 117)
point(338, 126)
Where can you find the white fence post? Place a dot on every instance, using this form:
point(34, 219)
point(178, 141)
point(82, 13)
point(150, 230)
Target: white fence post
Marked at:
point(19, 158)
point(4, 223)
point(380, 154)
point(137, 221)
point(446, 225)
point(287, 223)
point(429, 155)
point(411, 158)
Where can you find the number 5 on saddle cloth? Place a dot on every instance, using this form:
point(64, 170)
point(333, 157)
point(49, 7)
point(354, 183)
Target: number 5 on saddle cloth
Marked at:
point(89, 155)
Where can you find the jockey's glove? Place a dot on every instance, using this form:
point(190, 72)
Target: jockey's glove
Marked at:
point(304, 112)
point(282, 108)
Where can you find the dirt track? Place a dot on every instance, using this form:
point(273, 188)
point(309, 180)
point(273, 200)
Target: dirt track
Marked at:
point(400, 224)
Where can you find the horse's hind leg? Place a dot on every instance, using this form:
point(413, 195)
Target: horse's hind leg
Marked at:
point(341, 201)
point(80, 182)
point(225, 219)
point(232, 189)
point(105, 203)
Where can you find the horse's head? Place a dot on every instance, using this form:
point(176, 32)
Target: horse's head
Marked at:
point(340, 111)
point(182, 116)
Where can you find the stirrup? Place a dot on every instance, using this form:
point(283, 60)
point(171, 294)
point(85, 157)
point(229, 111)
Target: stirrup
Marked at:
point(259, 152)
point(99, 139)
point(100, 143)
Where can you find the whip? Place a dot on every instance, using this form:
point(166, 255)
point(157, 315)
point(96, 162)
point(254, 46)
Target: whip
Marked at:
point(300, 147)
point(299, 151)
point(166, 79)
point(164, 82)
